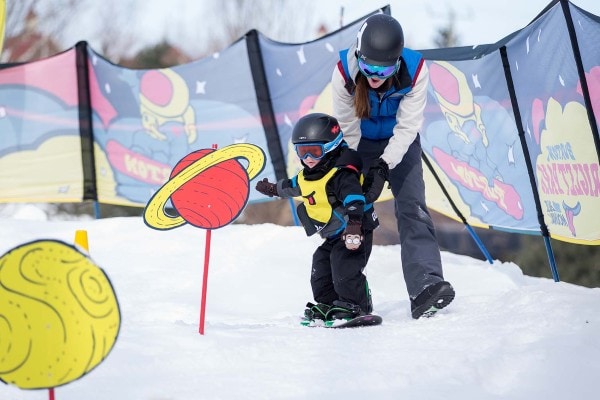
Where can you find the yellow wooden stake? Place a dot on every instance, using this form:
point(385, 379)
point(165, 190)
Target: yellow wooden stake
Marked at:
point(81, 239)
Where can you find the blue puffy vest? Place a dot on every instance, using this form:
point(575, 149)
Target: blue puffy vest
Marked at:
point(385, 105)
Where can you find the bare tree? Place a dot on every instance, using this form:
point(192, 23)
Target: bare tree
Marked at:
point(284, 21)
point(30, 27)
point(54, 19)
point(446, 35)
point(113, 29)
point(51, 16)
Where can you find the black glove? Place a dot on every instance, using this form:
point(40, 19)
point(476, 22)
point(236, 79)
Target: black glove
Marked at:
point(375, 180)
point(352, 235)
point(267, 188)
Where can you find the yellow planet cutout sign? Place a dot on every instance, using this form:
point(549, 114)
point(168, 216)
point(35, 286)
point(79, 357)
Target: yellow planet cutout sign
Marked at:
point(209, 188)
point(59, 316)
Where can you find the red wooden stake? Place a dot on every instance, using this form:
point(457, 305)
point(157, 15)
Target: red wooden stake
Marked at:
point(204, 281)
point(51, 394)
point(205, 276)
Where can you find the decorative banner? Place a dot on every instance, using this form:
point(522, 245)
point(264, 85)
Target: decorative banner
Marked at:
point(496, 175)
point(59, 316)
point(40, 146)
point(559, 137)
point(144, 122)
point(471, 139)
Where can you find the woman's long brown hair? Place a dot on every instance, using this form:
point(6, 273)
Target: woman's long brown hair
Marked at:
point(362, 107)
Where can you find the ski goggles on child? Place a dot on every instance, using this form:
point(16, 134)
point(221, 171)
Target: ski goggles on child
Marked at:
point(316, 150)
point(377, 71)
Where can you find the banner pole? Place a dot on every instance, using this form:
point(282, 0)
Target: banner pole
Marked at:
point(581, 72)
point(551, 259)
point(86, 126)
point(479, 243)
point(97, 209)
point(456, 210)
point(530, 170)
point(265, 104)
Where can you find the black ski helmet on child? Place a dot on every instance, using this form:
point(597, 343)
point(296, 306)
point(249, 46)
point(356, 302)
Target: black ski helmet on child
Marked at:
point(317, 128)
point(380, 40)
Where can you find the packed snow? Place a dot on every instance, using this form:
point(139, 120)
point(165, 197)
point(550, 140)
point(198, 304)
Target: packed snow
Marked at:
point(505, 336)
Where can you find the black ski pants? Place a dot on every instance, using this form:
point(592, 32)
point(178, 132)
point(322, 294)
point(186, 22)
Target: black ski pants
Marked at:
point(337, 273)
point(419, 249)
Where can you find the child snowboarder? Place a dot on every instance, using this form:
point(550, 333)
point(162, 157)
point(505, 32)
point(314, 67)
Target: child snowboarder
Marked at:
point(333, 205)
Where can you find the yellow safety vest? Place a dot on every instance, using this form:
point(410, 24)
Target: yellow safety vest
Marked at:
point(314, 196)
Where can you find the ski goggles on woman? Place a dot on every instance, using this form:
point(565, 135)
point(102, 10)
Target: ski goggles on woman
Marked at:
point(377, 71)
point(316, 150)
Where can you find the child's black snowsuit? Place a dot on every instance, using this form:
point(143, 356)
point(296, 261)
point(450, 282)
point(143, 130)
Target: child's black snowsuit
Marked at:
point(331, 196)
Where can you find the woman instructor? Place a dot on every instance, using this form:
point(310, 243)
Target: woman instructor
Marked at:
point(379, 95)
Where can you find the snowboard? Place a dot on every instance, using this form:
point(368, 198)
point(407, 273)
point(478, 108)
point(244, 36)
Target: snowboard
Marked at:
point(363, 320)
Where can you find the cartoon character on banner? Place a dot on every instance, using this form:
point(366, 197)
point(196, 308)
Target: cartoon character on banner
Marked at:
point(466, 159)
point(168, 128)
point(208, 189)
point(59, 316)
point(146, 121)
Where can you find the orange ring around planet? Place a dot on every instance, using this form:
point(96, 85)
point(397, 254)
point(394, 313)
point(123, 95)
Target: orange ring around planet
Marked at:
point(154, 214)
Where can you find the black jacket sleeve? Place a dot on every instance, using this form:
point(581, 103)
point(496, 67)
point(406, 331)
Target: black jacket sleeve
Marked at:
point(347, 187)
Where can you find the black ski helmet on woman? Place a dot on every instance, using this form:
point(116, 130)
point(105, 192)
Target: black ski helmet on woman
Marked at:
point(380, 40)
point(316, 128)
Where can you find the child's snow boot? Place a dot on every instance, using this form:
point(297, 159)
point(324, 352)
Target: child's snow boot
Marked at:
point(342, 311)
point(315, 314)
